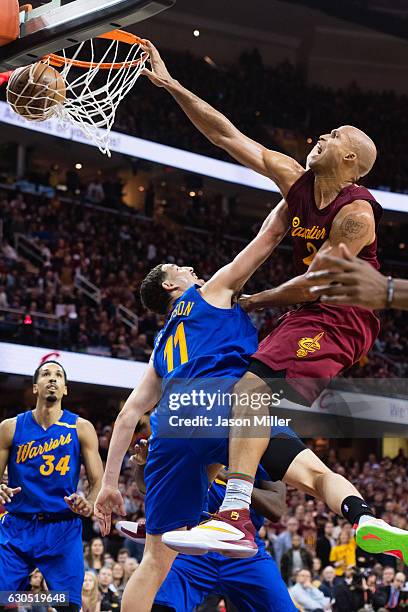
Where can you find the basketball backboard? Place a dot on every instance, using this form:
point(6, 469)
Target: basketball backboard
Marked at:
point(57, 25)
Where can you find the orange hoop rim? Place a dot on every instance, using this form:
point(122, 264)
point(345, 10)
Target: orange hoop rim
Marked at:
point(120, 35)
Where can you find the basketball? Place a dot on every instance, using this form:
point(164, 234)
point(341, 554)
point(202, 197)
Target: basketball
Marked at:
point(34, 90)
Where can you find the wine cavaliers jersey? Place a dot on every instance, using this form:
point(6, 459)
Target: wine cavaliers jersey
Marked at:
point(319, 341)
point(310, 226)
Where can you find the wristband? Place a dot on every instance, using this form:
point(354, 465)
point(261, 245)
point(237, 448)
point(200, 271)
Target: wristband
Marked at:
point(390, 292)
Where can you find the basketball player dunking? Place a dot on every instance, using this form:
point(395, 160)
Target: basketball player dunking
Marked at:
point(324, 207)
point(42, 526)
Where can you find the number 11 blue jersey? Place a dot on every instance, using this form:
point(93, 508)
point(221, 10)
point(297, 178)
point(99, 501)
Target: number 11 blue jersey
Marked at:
point(202, 341)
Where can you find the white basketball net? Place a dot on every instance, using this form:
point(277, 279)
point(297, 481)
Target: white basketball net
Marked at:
point(94, 110)
point(93, 97)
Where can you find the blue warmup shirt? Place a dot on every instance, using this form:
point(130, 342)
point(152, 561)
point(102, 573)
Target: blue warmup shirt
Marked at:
point(44, 463)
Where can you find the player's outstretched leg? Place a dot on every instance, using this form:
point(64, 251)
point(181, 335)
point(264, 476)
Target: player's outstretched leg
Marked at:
point(311, 475)
point(143, 585)
point(230, 531)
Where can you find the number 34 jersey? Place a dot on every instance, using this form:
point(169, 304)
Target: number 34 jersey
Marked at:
point(44, 463)
point(202, 341)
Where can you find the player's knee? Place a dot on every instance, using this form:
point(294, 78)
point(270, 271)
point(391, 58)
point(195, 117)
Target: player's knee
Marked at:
point(157, 563)
point(308, 470)
point(250, 382)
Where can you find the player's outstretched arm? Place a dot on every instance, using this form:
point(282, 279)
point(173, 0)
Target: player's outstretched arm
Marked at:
point(93, 466)
point(231, 278)
point(220, 131)
point(7, 429)
point(142, 399)
point(353, 225)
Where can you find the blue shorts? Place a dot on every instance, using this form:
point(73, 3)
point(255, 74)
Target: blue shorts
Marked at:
point(177, 482)
point(253, 585)
point(176, 478)
point(55, 548)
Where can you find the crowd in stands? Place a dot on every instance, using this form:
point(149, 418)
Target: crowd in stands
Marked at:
point(42, 304)
point(260, 100)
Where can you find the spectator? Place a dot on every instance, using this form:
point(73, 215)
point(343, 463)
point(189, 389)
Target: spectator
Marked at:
point(294, 560)
point(388, 575)
point(91, 599)
point(118, 574)
point(141, 351)
point(108, 560)
point(110, 599)
point(325, 543)
point(316, 571)
point(343, 554)
point(310, 598)
point(392, 592)
point(358, 593)
point(94, 559)
point(283, 542)
point(37, 585)
point(123, 555)
point(329, 582)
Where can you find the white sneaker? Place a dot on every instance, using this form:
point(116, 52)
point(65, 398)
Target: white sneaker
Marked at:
point(230, 533)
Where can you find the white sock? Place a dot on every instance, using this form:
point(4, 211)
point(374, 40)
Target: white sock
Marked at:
point(238, 494)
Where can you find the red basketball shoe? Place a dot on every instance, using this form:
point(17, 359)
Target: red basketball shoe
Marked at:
point(230, 533)
point(136, 531)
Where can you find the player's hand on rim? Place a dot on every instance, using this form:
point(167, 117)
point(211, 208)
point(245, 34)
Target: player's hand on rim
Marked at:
point(7, 493)
point(158, 74)
point(109, 501)
point(79, 504)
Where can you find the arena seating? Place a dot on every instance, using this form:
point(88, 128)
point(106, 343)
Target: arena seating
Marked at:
point(58, 304)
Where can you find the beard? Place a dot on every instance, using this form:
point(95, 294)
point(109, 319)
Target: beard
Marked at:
point(51, 398)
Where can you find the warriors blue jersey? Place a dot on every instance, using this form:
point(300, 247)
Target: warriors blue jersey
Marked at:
point(202, 341)
point(200, 354)
point(44, 463)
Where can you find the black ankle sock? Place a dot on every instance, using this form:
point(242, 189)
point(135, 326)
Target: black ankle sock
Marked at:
point(353, 507)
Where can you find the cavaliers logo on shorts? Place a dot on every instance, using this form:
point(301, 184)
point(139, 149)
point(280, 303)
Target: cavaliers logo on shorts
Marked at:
point(309, 345)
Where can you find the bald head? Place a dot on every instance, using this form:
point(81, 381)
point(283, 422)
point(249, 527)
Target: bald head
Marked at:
point(363, 147)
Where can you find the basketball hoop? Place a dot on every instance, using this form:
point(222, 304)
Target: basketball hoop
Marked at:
point(91, 105)
point(93, 96)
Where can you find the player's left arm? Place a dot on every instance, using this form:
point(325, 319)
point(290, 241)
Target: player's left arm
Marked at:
point(142, 400)
point(269, 499)
point(354, 226)
point(231, 278)
point(88, 441)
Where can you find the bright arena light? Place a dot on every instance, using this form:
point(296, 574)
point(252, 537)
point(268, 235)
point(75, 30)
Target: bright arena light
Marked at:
point(78, 166)
point(196, 33)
